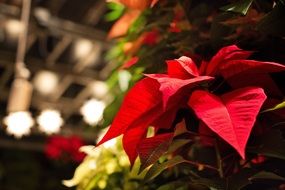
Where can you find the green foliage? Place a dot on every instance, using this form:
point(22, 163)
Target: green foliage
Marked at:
point(116, 11)
point(157, 168)
point(186, 163)
point(105, 167)
point(266, 175)
point(241, 6)
point(278, 106)
point(273, 23)
point(271, 144)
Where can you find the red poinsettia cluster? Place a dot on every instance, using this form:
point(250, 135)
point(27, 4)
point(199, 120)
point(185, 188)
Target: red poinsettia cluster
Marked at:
point(156, 99)
point(66, 148)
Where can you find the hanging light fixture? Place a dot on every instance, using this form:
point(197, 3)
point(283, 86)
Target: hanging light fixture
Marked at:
point(50, 121)
point(92, 111)
point(19, 120)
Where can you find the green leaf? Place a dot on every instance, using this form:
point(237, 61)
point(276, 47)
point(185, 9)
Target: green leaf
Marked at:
point(278, 106)
point(138, 24)
point(271, 144)
point(172, 185)
point(111, 110)
point(266, 175)
point(157, 168)
point(212, 184)
point(177, 143)
point(240, 179)
point(117, 11)
point(241, 6)
point(115, 6)
point(273, 23)
point(151, 149)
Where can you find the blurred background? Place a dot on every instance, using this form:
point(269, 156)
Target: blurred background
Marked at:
point(52, 84)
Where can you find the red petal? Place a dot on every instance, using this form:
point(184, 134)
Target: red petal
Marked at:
point(132, 137)
point(151, 38)
point(235, 67)
point(170, 86)
point(137, 131)
point(203, 67)
point(232, 116)
point(225, 54)
point(142, 98)
point(130, 62)
point(165, 120)
point(182, 68)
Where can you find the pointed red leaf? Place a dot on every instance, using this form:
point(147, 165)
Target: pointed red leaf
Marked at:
point(203, 67)
point(130, 62)
point(131, 139)
point(235, 67)
point(225, 54)
point(170, 86)
point(182, 68)
point(165, 120)
point(137, 131)
point(150, 149)
point(232, 116)
point(142, 98)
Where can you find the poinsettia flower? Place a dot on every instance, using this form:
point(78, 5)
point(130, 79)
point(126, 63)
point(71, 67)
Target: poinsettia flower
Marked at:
point(233, 65)
point(67, 148)
point(155, 100)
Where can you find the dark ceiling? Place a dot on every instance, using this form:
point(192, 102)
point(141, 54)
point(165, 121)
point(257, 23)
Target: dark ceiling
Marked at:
point(55, 27)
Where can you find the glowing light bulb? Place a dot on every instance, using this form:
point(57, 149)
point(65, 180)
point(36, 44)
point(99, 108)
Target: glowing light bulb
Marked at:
point(92, 111)
point(46, 82)
point(14, 28)
point(82, 48)
point(19, 123)
point(99, 89)
point(50, 121)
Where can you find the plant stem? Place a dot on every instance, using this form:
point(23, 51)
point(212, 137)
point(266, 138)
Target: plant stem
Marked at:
point(219, 160)
point(204, 165)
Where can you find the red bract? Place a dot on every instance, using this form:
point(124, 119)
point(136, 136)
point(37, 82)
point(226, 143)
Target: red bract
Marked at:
point(130, 62)
point(151, 38)
point(155, 100)
point(231, 116)
point(143, 105)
